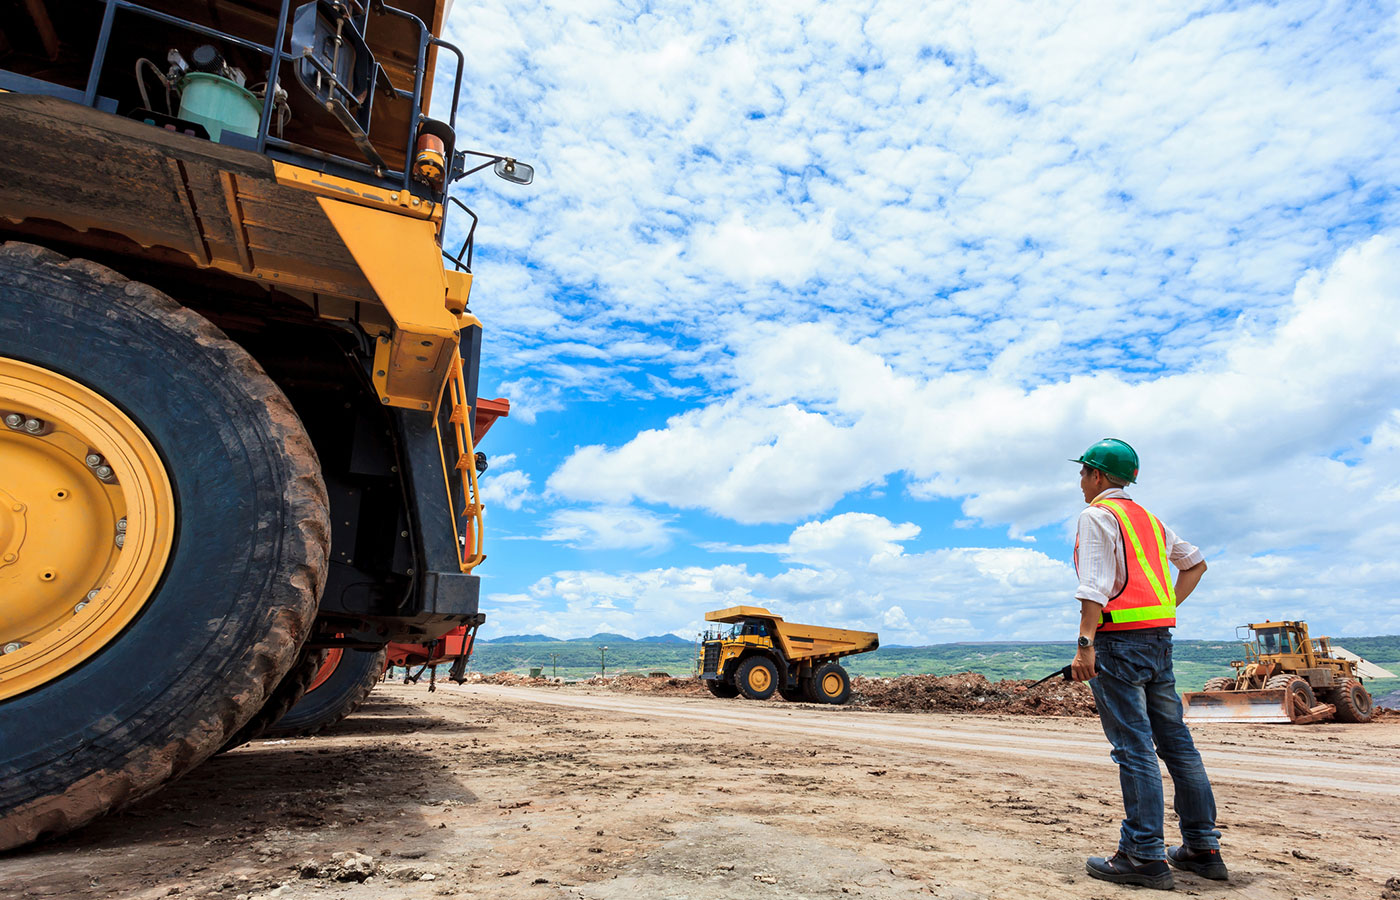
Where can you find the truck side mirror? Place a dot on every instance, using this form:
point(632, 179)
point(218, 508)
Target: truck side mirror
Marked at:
point(514, 172)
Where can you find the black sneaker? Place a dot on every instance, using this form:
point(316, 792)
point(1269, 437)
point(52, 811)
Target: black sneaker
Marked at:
point(1123, 869)
point(1205, 863)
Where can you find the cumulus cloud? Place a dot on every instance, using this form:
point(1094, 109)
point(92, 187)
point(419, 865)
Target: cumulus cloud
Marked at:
point(949, 594)
point(947, 179)
point(932, 250)
point(610, 528)
point(504, 484)
point(818, 417)
point(838, 541)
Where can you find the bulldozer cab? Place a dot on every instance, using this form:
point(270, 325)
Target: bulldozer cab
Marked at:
point(1284, 643)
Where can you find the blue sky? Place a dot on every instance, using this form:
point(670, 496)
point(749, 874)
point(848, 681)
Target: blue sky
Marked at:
point(810, 302)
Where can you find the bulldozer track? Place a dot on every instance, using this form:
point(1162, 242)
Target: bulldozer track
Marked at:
point(1363, 769)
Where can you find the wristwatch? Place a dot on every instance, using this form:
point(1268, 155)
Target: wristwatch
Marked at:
point(1085, 643)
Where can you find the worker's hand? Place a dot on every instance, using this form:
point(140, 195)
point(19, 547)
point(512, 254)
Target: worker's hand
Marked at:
point(1082, 669)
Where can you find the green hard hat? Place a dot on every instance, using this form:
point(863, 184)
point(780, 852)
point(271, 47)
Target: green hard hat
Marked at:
point(1113, 457)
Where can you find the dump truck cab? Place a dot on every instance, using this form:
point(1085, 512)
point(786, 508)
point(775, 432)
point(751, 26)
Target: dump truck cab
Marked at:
point(760, 654)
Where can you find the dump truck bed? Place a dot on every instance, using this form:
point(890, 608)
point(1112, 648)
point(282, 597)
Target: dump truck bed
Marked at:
point(799, 642)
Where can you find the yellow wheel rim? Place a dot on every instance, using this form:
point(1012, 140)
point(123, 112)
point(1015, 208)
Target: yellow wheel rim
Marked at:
point(87, 521)
point(759, 679)
point(831, 685)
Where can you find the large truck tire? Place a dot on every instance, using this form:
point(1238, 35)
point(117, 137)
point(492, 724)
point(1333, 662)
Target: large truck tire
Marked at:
point(757, 678)
point(286, 695)
point(186, 620)
point(1353, 701)
point(722, 689)
point(1219, 683)
point(338, 693)
point(830, 683)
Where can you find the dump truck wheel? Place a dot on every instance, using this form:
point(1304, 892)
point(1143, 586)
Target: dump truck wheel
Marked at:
point(138, 659)
point(757, 678)
point(284, 697)
point(1353, 702)
point(335, 695)
point(722, 689)
point(1219, 684)
point(830, 683)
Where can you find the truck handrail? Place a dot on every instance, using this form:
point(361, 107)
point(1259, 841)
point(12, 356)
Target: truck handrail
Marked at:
point(264, 142)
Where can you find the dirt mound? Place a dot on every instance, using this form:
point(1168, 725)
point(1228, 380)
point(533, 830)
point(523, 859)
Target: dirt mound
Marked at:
point(509, 679)
point(969, 692)
point(655, 684)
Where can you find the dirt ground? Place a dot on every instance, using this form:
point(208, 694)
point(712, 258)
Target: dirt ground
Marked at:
point(595, 794)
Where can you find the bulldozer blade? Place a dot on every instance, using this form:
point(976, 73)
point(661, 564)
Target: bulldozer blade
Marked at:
point(1261, 706)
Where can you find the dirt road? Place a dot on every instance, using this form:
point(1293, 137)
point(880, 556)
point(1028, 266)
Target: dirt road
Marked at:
point(570, 793)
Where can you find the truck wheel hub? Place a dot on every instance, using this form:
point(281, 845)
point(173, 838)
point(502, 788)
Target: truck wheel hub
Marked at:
point(87, 518)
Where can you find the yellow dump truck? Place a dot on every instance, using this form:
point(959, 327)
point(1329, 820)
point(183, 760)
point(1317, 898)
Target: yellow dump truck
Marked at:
point(238, 374)
point(760, 654)
point(1286, 676)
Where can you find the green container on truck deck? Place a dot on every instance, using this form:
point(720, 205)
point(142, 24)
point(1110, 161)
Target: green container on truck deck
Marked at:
point(219, 105)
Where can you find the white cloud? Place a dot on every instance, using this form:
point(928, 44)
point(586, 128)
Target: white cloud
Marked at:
point(838, 541)
point(946, 179)
point(610, 528)
point(505, 485)
point(939, 247)
point(951, 594)
point(910, 598)
point(817, 418)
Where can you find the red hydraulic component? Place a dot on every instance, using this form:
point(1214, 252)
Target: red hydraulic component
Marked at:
point(454, 647)
point(486, 414)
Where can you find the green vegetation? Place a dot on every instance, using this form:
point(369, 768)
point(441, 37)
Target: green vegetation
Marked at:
point(1195, 660)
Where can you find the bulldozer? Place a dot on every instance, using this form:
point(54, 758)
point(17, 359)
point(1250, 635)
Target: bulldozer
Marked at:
point(760, 654)
point(239, 410)
point(1286, 676)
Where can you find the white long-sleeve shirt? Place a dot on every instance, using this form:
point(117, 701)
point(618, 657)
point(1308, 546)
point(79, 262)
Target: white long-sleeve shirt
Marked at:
point(1103, 568)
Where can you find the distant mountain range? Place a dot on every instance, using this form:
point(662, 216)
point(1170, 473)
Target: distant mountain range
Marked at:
point(601, 637)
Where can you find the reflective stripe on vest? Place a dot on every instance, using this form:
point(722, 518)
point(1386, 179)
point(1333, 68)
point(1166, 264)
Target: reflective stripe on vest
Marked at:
point(1148, 598)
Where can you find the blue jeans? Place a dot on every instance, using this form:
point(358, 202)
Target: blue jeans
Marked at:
point(1136, 695)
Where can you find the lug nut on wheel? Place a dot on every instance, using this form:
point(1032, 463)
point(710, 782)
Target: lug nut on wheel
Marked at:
point(14, 420)
point(33, 426)
point(11, 647)
point(103, 472)
point(93, 460)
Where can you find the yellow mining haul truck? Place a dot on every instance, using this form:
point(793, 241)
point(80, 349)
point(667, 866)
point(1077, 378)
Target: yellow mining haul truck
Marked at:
point(1286, 676)
point(760, 654)
point(238, 375)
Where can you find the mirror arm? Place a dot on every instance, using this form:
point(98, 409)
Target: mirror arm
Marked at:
point(460, 174)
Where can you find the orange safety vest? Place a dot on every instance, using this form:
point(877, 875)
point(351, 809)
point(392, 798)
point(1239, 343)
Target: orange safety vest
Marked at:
point(1147, 598)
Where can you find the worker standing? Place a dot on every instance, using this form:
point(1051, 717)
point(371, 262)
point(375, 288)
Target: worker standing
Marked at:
point(1127, 609)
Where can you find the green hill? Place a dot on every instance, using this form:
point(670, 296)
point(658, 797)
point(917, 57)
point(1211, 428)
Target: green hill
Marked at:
point(1195, 660)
